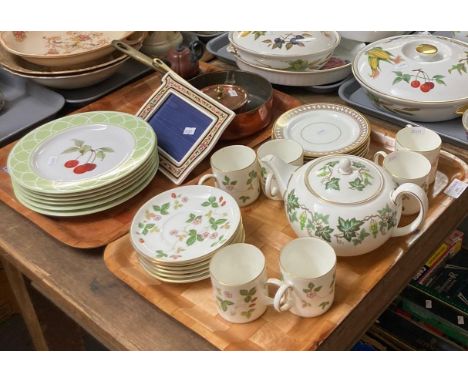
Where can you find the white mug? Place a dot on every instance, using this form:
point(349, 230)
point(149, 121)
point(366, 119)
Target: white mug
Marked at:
point(235, 170)
point(239, 280)
point(286, 149)
point(308, 267)
point(423, 141)
point(406, 167)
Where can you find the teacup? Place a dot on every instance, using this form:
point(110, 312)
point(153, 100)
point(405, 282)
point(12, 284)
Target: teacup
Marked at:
point(422, 141)
point(239, 280)
point(308, 267)
point(235, 170)
point(286, 149)
point(406, 167)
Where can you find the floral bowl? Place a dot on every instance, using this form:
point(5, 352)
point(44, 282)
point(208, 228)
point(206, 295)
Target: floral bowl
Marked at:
point(284, 50)
point(60, 48)
point(423, 78)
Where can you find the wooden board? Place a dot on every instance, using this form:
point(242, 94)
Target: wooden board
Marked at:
point(99, 229)
point(267, 227)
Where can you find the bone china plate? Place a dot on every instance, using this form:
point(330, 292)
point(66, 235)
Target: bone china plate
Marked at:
point(323, 129)
point(184, 224)
point(81, 152)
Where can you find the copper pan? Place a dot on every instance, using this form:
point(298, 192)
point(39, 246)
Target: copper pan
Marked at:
point(256, 114)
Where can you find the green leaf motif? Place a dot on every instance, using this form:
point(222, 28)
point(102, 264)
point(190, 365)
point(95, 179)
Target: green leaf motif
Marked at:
point(78, 142)
point(324, 233)
point(333, 184)
point(160, 254)
point(224, 304)
point(100, 155)
point(318, 288)
point(70, 150)
point(106, 149)
point(244, 198)
point(357, 184)
point(349, 227)
point(191, 240)
point(324, 304)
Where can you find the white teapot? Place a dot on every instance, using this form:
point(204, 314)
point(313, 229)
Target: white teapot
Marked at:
point(348, 201)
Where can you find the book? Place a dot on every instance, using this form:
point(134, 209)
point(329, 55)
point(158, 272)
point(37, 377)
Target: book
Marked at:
point(431, 320)
point(412, 334)
point(450, 246)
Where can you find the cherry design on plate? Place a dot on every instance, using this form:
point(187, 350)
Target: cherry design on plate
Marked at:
point(87, 154)
point(421, 81)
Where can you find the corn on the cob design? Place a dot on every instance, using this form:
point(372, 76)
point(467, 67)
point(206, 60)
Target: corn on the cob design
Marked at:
point(377, 54)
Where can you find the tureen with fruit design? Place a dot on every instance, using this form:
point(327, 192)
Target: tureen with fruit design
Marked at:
point(285, 50)
point(420, 77)
point(346, 200)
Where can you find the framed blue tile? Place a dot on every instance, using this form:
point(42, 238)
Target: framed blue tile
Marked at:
point(187, 123)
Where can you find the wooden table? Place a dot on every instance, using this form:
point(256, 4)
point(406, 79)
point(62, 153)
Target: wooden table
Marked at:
point(78, 282)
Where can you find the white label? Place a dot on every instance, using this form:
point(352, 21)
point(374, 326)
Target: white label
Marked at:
point(232, 93)
point(456, 188)
point(428, 304)
point(461, 320)
point(189, 130)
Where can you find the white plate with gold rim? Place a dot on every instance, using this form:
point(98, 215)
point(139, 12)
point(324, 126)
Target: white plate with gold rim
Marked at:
point(239, 237)
point(185, 223)
point(323, 128)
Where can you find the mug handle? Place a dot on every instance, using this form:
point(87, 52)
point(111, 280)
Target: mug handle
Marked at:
point(270, 191)
point(205, 177)
point(279, 302)
point(420, 195)
point(378, 155)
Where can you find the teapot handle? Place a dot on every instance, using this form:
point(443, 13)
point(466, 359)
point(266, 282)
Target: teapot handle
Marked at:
point(197, 49)
point(420, 195)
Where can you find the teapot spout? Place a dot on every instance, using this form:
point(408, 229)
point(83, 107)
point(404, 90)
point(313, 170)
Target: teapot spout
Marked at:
point(281, 170)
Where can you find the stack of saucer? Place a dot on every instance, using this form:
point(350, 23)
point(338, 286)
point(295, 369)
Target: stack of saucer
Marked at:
point(325, 129)
point(83, 163)
point(176, 233)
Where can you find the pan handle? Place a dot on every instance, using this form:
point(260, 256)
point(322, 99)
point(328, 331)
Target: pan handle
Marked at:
point(154, 63)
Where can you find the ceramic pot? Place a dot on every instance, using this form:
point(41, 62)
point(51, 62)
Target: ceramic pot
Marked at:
point(348, 201)
point(420, 77)
point(184, 59)
point(157, 44)
point(285, 50)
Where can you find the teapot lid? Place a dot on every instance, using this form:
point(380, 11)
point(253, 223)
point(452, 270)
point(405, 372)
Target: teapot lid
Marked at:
point(344, 179)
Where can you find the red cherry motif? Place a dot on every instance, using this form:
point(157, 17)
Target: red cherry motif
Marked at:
point(71, 163)
point(90, 166)
point(425, 87)
point(82, 168)
point(415, 84)
point(173, 195)
point(430, 84)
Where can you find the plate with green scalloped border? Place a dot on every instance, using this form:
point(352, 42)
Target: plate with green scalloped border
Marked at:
point(81, 152)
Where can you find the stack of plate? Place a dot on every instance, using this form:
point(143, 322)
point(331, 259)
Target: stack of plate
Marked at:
point(64, 60)
point(325, 129)
point(176, 233)
point(83, 163)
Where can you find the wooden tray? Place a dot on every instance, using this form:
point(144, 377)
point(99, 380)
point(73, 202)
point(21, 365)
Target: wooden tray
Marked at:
point(267, 227)
point(102, 228)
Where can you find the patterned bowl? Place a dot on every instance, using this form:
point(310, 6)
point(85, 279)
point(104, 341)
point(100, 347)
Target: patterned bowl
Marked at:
point(60, 48)
point(423, 78)
point(284, 50)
